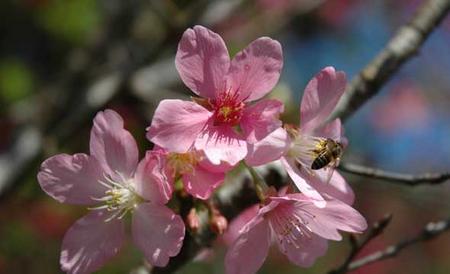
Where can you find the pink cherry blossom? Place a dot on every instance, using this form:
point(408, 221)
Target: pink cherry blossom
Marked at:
point(227, 87)
point(198, 175)
point(112, 183)
point(299, 227)
point(296, 147)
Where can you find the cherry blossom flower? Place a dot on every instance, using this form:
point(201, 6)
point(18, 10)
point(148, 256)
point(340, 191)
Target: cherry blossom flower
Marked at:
point(112, 183)
point(198, 175)
point(299, 227)
point(297, 148)
point(223, 121)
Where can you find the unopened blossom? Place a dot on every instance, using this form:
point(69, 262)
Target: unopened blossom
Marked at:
point(223, 121)
point(111, 183)
point(296, 224)
point(193, 220)
point(198, 175)
point(218, 223)
point(298, 147)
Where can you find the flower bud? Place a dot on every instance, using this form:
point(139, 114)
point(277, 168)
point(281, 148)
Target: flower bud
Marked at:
point(218, 223)
point(193, 220)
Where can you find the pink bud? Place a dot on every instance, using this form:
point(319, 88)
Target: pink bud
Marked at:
point(219, 224)
point(193, 220)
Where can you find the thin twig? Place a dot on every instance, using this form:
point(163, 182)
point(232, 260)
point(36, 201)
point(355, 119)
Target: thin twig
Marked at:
point(405, 44)
point(376, 229)
point(400, 178)
point(430, 231)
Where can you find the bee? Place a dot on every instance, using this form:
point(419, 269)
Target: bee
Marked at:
point(328, 153)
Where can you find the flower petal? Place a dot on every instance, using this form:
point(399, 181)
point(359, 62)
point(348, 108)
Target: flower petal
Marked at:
point(113, 146)
point(205, 163)
point(72, 179)
point(307, 251)
point(222, 144)
point(247, 254)
point(158, 232)
point(326, 221)
point(261, 119)
point(336, 188)
point(255, 70)
point(303, 185)
point(91, 242)
point(269, 149)
point(176, 124)
point(238, 223)
point(202, 61)
point(320, 98)
point(150, 179)
point(201, 182)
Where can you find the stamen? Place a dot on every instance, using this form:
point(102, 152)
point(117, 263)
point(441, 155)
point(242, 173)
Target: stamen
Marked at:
point(120, 197)
point(289, 225)
point(228, 108)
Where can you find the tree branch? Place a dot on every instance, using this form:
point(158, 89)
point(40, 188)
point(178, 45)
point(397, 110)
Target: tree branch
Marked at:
point(376, 229)
point(405, 44)
point(400, 178)
point(430, 231)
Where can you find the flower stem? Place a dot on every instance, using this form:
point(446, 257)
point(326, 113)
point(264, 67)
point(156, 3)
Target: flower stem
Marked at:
point(261, 186)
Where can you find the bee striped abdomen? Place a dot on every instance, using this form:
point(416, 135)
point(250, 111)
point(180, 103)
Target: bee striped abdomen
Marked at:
point(321, 161)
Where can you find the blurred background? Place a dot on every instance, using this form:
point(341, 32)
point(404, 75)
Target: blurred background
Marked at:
point(62, 61)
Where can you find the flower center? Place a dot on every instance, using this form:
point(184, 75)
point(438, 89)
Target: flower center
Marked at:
point(182, 163)
point(120, 197)
point(289, 226)
point(228, 109)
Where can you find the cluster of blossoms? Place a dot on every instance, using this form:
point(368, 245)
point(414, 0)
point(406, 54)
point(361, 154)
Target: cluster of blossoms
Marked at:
point(195, 144)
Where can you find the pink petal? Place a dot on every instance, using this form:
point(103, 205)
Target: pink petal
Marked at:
point(201, 182)
point(158, 232)
point(176, 124)
point(255, 70)
point(202, 61)
point(72, 179)
point(303, 185)
point(320, 98)
point(329, 183)
point(91, 242)
point(222, 144)
point(150, 180)
point(333, 130)
point(335, 216)
point(238, 223)
point(268, 149)
point(205, 163)
point(260, 119)
point(247, 254)
point(113, 146)
point(336, 188)
point(310, 248)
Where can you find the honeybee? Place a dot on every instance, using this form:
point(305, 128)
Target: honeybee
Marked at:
point(328, 153)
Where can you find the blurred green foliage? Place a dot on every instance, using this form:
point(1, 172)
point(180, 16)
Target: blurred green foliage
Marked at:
point(16, 80)
point(70, 20)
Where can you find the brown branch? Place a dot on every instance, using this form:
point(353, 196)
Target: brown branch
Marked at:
point(405, 44)
point(394, 177)
point(376, 229)
point(430, 231)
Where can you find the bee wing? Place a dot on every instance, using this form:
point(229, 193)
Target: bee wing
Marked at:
point(329, 171)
